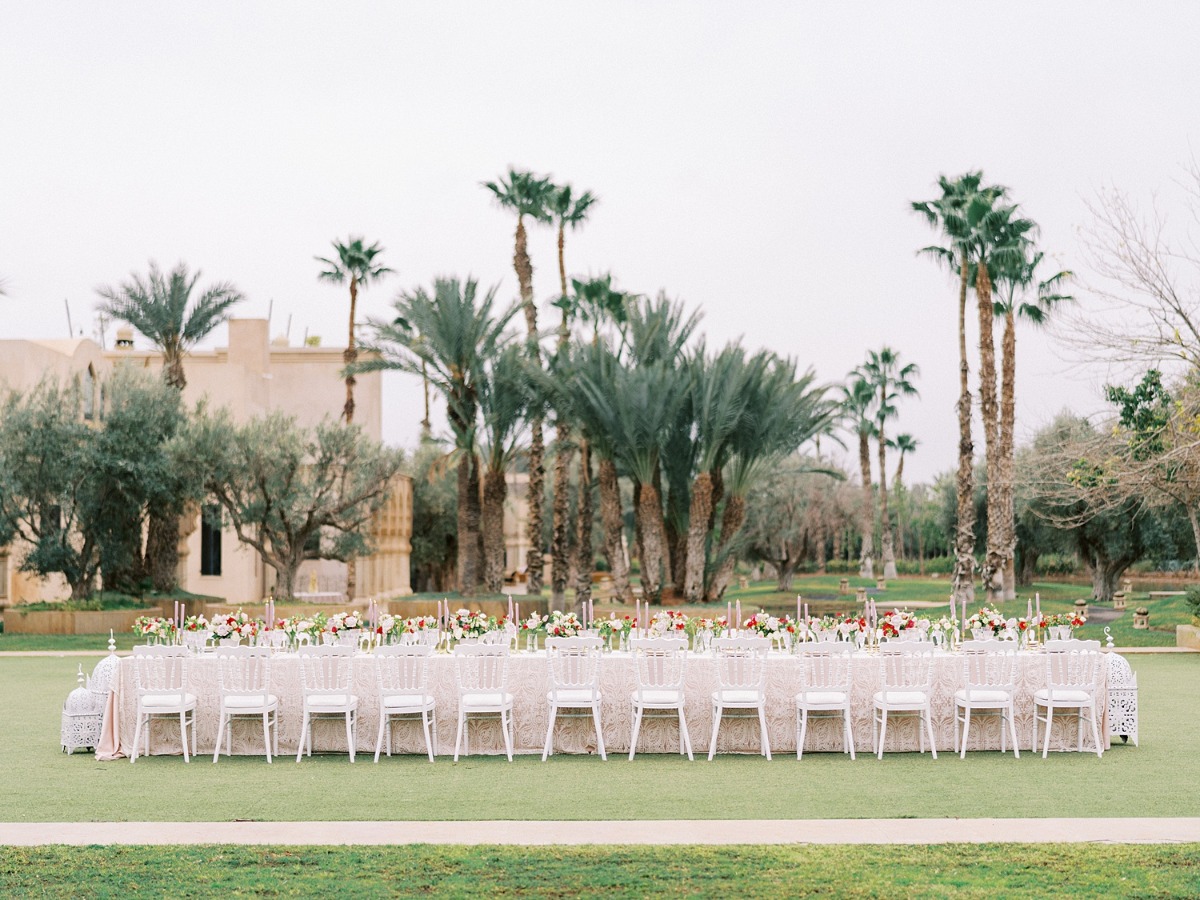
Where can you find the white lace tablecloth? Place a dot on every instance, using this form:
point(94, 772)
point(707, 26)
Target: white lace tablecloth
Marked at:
point(528, 683)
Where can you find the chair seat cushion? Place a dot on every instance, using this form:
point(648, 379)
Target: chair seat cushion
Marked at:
point(407, 702)
point(821, 698)
point(167, 701)
point(333, 702)
point(980, 696)
point(899, 699)
point(246, 703)
point(659, 698)
point(573, 696)
point(1062, 695)
point(485, 700)
point(736, 697)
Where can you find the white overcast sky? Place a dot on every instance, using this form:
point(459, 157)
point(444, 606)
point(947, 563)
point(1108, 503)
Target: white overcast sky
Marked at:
point(754, 159)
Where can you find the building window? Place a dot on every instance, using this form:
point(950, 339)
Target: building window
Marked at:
point(210, 539)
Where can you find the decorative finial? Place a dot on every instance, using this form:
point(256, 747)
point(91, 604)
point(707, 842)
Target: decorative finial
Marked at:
point(80, 677)
point(112, 643)
point(1109, 643)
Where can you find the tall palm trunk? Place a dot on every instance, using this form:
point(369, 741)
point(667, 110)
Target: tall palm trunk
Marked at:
point(469, 516)
point(866, 565)
point(495, 489)
point(964, 529)
point(885, 522)
point(698, 517)
point(666, 535)
point(614, 528)
point(654, 562)
point(560, 545)
point(1006, 515)
point(350, 356)
point(537, 449)
point(732, 519)
point(993, 563)
point(584, 561)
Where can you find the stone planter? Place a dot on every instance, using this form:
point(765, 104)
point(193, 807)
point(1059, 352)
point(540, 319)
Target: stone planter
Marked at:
point(861, 595)
point(1081, 607)
point(1119, 600)
point(880, 584)
point(1141, 618)
point(844, 586)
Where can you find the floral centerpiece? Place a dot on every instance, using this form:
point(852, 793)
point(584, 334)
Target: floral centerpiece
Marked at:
point(470, 625)
point(766, 625)
point(155, 628)
point(563, 624)
point(344, 621)
point(903, 624)
point(1060, 624)
point(714, 627)
point(300, 625)
point(987, 621)
point(611, 626)
point(533, 624)
point(195, 623)
point(232, 627)
point(943, 629)
point(669, 623)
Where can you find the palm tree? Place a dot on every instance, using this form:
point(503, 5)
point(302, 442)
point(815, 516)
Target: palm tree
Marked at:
point(504, 398)
point(962, 203)
point(357, 263)
point(889, 381)
point(451, 331)
point(160, 308)
point(904, 444)
point(597, 301)
point(719, 396)
point(529, 195)
point(857, 397)
point(1021, 295)
point(567, 210)
point(783, 411)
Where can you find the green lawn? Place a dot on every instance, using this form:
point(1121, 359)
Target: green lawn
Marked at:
point(40, 783)
point(956, 870)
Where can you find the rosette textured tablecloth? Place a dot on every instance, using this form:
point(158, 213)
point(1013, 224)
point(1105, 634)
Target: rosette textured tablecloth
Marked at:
point(528, 681)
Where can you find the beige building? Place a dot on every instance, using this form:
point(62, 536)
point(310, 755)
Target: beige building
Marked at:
point(250, 377)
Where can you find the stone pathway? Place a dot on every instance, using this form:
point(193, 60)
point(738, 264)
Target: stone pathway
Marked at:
point(649, 832)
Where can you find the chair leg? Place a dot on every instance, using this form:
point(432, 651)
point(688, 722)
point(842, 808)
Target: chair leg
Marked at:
point(849, 729)
point(303, 733)
point(350, 736)
point(183, 736)
point(1049, 722)
point(882, 732)
point(267, 735)
point(1034, 743)
point(966, 732)
point(927, 714)
point(637, 726)
point(383, 726)
point(425, 727)
point(548, 748)
point(1012, 729)
point(433, 735)
point(458, 738)
point(275, 726)
point(1079, 731)
point(599, 731)
point(712, 744)
point(801, 731)
point(1095, 731)
point(220, 734)
point(762, 724)
point(192, 725)
point(508, 743)
point(687, 738)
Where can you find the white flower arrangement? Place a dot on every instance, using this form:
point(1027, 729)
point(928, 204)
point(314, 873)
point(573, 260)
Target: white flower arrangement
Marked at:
point(343, 621)
point(470, 624)
point(669, 623)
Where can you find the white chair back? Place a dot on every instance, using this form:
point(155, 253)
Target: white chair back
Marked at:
point(989, 666)
point(244, 672)
point(574, 664)
point(1074, 669)
point(825, 667)
point(161, 670)
point(742, 663)
point(906, 666)
point(403, 669)
point(328, 669)
point(481, 668)
point(660, 663)
point(1071, 644)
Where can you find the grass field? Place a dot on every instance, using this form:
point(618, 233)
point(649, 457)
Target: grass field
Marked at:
point(40, 783)
point(970, 871)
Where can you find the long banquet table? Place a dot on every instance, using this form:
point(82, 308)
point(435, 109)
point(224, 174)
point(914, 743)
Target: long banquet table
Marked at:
point(528, 683)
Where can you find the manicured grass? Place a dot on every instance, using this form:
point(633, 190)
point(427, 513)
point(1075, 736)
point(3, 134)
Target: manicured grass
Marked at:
point(40, 783)
point(94, 642)
point(955, 870)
